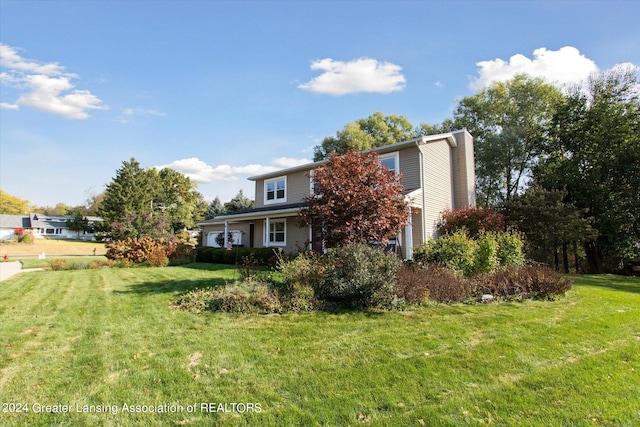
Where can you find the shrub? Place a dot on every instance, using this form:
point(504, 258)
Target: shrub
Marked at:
point(202, 253)
point(299, 274)
point(157, 257)
point(521, 282)
point(510, 249)
point(217, 255)
point(63, 264)
point(102, 263)
point(445, 285)
point(263, 256)
point(412, 284)
point(305, 269)
point(486, 254)
point(455, 251)
point(357, 276)
point(245, 297)
point(297, 298)
point(145, 249)
point(250, 269)
point(22, 235)
point(57, 265)
point(492, 250)
point(181, 250)
point(474, 221)
point(195, 301)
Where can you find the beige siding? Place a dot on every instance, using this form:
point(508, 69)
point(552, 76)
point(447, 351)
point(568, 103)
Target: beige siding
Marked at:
point(438, 191)
point(296, 237)
point(258, 240)
point(243, 227)
point(463, 171)
point(409, 160)
point(416, 218)
point(297, 188)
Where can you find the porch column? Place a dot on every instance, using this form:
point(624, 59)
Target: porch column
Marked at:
point(226, 234)
point(408, 240)
point(266, 232)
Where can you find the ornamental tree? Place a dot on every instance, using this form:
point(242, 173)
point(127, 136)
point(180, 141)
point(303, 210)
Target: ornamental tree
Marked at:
point(474, 221)
point(356, 200)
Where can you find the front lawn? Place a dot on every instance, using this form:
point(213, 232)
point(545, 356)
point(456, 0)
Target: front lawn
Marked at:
point(108, 341)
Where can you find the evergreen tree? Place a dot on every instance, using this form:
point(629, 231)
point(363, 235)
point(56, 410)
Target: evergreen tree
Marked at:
point(215, 208)
point(239, 203)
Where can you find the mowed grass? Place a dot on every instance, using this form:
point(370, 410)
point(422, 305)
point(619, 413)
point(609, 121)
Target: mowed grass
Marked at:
point(77, 252)
point(51, 247)
point(109, 337)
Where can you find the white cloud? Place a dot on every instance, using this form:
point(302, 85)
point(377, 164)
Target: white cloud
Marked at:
point(8, 106)
point(9, 58)
point(359, 75)
point(127, 114)
point(200, 171)
point(48, 87)
point(563, 66)
point(289, 162)
point(47, 95)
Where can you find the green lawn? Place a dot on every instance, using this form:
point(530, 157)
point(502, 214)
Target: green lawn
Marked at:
point(109, 338)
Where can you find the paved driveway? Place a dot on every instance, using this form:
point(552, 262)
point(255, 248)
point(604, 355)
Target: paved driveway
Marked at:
point(8, 269)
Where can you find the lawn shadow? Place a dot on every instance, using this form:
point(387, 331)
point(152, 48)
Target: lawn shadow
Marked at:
point(180, 286)
point(171, 286)
point(609, 281)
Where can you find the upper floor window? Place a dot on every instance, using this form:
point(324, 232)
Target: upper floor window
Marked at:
point(391, 161)
point(275, 190)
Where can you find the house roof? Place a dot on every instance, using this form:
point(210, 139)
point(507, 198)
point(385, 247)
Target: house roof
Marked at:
point(14, 221)
point(290, 209)
point(38, 221)
point(449, 136)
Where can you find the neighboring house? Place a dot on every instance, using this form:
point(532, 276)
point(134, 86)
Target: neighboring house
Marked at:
point(42, 225)
point(438, 173)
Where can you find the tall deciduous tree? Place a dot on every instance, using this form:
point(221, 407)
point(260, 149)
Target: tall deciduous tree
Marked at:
point(12, 205)
point(376, 130)
point(508, 122)
point(595, 155)
point(358, 200)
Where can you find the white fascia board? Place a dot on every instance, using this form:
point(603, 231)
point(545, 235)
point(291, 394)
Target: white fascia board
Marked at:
point(251, 216)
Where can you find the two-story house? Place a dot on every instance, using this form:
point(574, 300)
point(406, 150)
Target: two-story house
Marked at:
point(438, 173)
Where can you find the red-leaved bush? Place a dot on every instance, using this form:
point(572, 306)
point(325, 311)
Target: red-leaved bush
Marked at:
point(474, 220)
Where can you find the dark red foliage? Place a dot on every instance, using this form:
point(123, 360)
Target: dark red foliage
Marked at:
point(475, 220)
point(358, 200)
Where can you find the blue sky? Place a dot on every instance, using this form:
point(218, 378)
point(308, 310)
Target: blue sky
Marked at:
point(225, 90)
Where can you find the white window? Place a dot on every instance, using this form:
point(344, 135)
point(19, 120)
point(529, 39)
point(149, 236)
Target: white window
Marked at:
point(275, 190)
point(391, 161)
point(314, 187)
point(214, 238)
point(277, 233)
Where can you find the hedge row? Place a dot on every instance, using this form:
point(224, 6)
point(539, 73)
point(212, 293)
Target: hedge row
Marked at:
point(235, 255)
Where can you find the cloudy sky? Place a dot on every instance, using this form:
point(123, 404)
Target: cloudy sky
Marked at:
point(225, 90)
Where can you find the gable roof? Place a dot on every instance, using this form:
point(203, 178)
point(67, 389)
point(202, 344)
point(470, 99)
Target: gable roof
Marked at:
point(14, 221)
point(449, 136)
